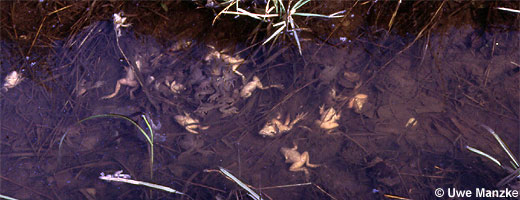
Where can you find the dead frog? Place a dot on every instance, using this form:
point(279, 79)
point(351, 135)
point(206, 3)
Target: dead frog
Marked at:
point(328, 118)
point(275, 127)
point(299, 161)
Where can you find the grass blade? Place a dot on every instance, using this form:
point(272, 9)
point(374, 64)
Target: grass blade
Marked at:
point(513, 175)
point(149, 139)
point(6, 197)
point(509, 10)
point(251, 193)
point(118, 177)
point(100, 116)
point(279, 6)
point(484, 154)
point(245, 12)
point(253, 15)
point(275, 33)
point(300, 4)
point(318, 15)
point(503, 145)
point(223, 10)
point(294, 31)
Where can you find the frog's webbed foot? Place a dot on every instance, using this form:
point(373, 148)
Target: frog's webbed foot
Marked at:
point(307, 174)
point(298, 118)
point(312, 165)
point(132, 96)
point(304, 169)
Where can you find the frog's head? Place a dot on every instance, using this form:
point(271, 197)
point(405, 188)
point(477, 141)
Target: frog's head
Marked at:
point(268, 130)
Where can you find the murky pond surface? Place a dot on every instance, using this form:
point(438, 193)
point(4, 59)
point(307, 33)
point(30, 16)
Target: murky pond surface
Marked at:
point(362, 113)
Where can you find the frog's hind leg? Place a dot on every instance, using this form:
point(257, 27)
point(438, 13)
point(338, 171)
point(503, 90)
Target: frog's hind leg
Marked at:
point(305, 155)
point(288, 121)
point(118, 87)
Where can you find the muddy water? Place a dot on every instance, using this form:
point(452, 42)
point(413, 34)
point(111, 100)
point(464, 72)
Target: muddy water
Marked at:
point(383, 114)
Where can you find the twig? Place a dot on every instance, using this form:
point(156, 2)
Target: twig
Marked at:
point(319, 188)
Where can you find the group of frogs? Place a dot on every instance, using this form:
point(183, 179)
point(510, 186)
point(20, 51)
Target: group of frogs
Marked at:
point(300, 161)
point(214, 88)
point(211, 85)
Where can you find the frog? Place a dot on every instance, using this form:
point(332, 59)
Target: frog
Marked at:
point(223, 102)
point(181, 44)
point(357, 102)
point(12, 80)
point(275, 127)
point(226, 108)
point(129, 80)
point(83, 86)
point(191, 144)
point(191, 124)
point(225, 82)
point(299, 161)
point(175, 87)
point(203, 90)
point(248, 88)
point(220, 56)
point(328, 118)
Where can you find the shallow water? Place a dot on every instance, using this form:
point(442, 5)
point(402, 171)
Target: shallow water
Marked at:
point(425, 100)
